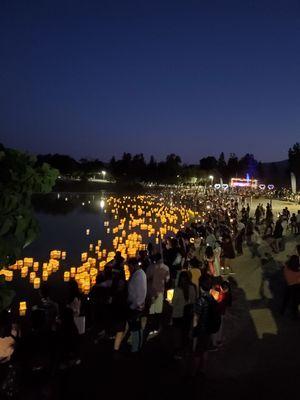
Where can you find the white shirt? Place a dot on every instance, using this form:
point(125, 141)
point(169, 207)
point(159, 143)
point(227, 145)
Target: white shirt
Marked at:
point(158, 275)
point(240, 226)
point(137, 290)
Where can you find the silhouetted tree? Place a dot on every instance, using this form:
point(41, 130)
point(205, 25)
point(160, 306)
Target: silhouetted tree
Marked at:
point(21, 176)
point(66, 165)
point(294, 159)
point(232, 165)
point(222, 166)
point(208, 163)
point(247, 165)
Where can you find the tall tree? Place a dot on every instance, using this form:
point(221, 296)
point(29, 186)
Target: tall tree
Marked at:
point(294, 159)
point(20, 177)
point(232, 165)
point(208, 163)
point(222, 166)
point(248, 165)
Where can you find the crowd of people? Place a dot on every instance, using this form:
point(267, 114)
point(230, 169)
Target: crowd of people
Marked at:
point(184, 283)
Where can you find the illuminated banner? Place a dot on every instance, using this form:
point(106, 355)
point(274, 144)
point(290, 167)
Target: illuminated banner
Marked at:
point(243, 182)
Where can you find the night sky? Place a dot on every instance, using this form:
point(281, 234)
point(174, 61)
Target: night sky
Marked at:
point(97, 78)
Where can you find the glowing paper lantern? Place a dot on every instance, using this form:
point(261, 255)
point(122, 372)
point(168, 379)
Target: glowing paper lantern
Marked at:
point(36, 283)
point(66, 276)
point(32, 276)
point(22, 308)
point(170, 294)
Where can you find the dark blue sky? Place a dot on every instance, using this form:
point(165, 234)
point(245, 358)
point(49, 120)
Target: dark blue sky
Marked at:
point(96, 78)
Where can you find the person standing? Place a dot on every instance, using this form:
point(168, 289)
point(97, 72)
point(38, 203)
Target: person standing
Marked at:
point(206, 322)
point(137, 290)
point(255, 243)
point(240, 238)
point(298, 223)
point(293, 222)
point(257, 215)
point(185, 295)
point(278, 238)
point(158, 275)
point(195, 271)
point(228, 253)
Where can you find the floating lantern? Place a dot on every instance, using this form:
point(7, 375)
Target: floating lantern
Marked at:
point(22, 308)
point(87, 232)
point(67, 276)
point(36, 283)
point(45, 276)
point(13, 267)
point(102, 265)
point(28, 262)
point(35, 266)
point(8, 275)
point(63, 255)
point(32, 276)
point(24, 272)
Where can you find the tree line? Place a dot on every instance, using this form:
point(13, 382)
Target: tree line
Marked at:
point(134, 167)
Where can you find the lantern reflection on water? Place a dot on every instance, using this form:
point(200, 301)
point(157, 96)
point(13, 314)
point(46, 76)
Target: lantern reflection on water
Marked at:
point(147, 218)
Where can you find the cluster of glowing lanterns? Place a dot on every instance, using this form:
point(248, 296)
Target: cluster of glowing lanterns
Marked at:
point(145, 217)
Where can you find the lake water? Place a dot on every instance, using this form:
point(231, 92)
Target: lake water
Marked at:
point(132, 221)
